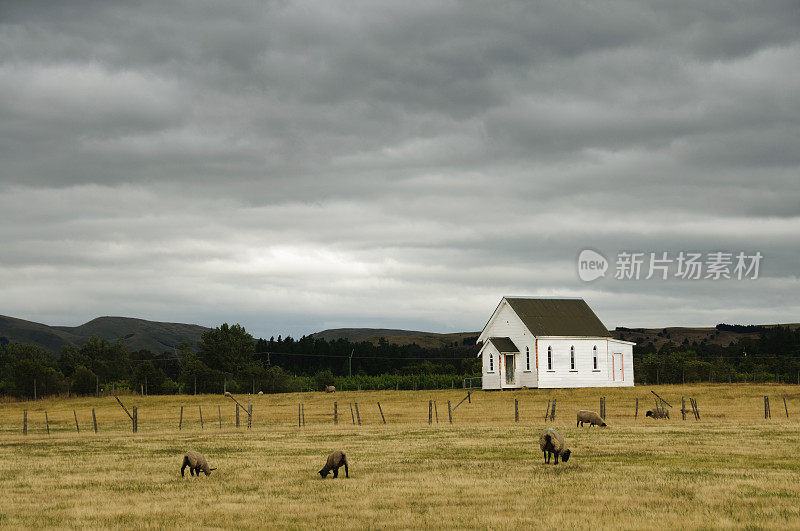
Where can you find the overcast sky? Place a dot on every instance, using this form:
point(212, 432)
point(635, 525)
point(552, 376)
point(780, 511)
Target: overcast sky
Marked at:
point(296, 166)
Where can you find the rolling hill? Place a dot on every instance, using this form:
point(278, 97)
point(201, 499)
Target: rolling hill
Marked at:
point(641, 336)
point(137, 334)
point(358, 334)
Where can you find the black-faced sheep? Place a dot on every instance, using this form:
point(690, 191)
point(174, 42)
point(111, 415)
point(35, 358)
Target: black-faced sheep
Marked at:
point(335, 460)
point(552, 443)
point(330, 389)
point(591, 417)
point(657, 413)
point(196, 462)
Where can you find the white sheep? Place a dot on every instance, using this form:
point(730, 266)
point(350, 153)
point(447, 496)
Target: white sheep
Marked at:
point(552, 443)
point(196, 462)
point(591, 417)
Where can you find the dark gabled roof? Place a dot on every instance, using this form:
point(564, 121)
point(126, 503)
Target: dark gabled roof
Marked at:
point(503, 344)
point(558, 317)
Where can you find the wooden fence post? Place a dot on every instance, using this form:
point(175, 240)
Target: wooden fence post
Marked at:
point(180, 420)
point(352, 415)
point(767, 412)
point(436, 411)
point(237, 415)
point(94, 420)
point(785, 406)
point(553, 411)
point(75, 414)
point(430, 411)
point(516, 410)
point(25, 422)
point(201, 415)
point(381, 410)
point(303, 413)
point(636, 413)
point(250, 418)
point(683, 407)
point(358, 417)
point(449, 412)
point(336, 412)
point(219, 411)
point(47, 422)
point(547, 412)
point(135, 418)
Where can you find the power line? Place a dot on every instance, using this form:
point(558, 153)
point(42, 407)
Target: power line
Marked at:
point(300, 354)
point(364, 357)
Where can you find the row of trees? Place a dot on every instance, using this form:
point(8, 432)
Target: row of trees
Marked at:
point(774, 355)
point(229, 358)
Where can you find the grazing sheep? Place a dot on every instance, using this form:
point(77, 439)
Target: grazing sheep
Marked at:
point(591, 417)
point(552, 443)
point(335, 460)
point(196, 462)
point(657, 413)
point(330, 389)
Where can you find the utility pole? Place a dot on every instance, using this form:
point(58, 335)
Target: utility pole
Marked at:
point(350, 364)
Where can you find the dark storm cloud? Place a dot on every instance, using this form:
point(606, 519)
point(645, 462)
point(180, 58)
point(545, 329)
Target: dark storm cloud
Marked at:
point(295, 166)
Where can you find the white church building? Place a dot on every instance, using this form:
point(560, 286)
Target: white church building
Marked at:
point(550, 343)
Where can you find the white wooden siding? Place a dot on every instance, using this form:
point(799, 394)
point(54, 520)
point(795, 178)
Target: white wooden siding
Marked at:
point(506, 323)
point(584, 374)
point(491, 380)
point(626, 349)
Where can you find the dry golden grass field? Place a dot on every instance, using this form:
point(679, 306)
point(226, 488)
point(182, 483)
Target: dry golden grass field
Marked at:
point(732, 469)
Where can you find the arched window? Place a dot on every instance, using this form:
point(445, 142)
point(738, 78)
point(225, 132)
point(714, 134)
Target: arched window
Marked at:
point(572, 358)
point(491, 363)
point(594, 357)
point(549, 358)
point(527, 359)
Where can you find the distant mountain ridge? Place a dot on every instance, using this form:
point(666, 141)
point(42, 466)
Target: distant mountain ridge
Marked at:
point(357, 334)
point(136, 334)
point(399, 337)
point(156, 336)
point(657, 336)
